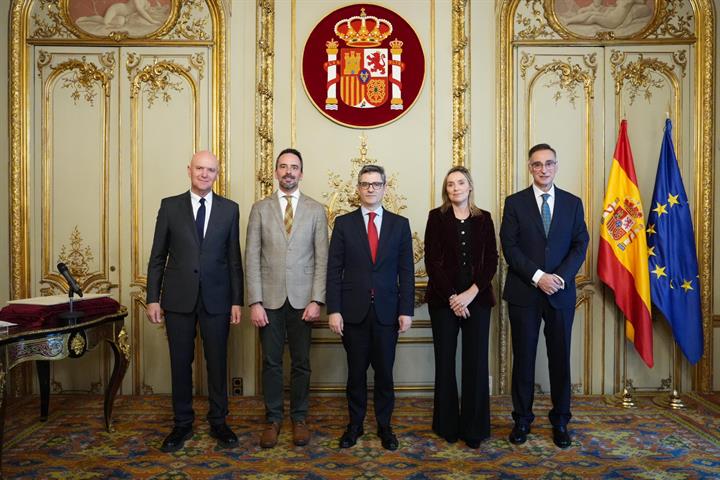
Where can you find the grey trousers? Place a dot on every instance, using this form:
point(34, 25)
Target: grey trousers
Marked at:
point(286, 322)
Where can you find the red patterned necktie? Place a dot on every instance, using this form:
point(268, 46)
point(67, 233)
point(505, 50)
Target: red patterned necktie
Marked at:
point(372, 235)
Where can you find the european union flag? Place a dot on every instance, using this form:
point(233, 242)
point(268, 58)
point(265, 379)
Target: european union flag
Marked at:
point(674, 280)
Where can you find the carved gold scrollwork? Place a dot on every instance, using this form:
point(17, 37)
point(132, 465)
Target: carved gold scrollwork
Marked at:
point(123, 343)
point(197, 60)
point(52, 25)
point(157, 81)
point(533, 26)
point(460, 83)
point(84, 77)
point(526, 61)
point(680, 59)
point(642, 75)
point(674, 21)
point(189, 26)
point(570, 76)
point(43, 59)
point(264, 97)
point(78, 258)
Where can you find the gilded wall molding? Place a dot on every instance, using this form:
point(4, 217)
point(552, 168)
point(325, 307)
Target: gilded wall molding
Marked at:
point(537, 21)
point(461, 83)
point(83, 80)
point(186, 21)
point(264, 75)
point(703, 35)
point(704, 173)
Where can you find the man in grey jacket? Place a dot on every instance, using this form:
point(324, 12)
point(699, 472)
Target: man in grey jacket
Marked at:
point(286, 254)
point(195, 277)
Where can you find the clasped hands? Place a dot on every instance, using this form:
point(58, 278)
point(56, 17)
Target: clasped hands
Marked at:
point(459, 301)
point(550, 283)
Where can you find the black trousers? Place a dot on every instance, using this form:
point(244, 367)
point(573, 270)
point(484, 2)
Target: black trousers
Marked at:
point(470, 417)
point(525, 325)
point(181, 328)
point(370, 343)
point(286, 322)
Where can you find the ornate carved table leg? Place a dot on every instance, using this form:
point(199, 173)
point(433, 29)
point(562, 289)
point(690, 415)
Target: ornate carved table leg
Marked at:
point(43, 373)
point(2, 411)
point(121, 349)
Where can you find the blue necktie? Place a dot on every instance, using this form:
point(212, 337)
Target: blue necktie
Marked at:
point(200, 220)
point(545, 210)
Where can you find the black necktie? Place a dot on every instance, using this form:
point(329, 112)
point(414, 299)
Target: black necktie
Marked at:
point(200, 220)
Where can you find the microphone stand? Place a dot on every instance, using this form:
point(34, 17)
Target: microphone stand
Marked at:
point(71, 316)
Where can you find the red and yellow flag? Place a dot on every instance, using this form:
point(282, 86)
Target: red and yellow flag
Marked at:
point(623, 252)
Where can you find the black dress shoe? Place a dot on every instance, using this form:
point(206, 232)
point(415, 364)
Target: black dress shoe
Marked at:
point(176, 440)
point(387, 438)
point(561, 436)
point(519, 434)
point(350, 436)
point(224, 436)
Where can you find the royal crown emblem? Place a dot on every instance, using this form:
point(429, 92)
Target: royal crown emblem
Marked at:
point(363, 31)
point(363, 67)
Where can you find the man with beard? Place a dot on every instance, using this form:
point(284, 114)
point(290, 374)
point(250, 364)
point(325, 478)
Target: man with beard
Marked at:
point(287, 244)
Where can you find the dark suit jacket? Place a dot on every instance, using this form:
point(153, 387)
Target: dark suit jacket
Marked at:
point(179, 263)
point(526, 248)
point(442, 247)
point(351, 274)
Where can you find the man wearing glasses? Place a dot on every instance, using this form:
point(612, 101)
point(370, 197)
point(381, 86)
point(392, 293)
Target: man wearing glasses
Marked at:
point(370, 299)
point(544, 240)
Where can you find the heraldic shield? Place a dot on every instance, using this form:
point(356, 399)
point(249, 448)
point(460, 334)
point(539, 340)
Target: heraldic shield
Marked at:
point(374, 77)
point(363, 77)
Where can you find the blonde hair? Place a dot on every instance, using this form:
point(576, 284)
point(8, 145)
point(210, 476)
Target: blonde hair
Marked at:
point(474, 209)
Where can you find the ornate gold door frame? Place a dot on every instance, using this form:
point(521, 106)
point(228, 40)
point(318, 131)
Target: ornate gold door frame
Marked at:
point(545, 29)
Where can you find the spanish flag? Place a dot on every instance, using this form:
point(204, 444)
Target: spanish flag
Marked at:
point(623, 252)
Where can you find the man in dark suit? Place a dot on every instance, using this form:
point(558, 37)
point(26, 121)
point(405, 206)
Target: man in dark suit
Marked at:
point(544, 240)
point(370, 299)
point(195, 276)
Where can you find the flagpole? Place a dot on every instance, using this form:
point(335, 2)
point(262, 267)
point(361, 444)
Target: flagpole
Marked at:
point(627, 399)
point(623, 399)
point(673, 401)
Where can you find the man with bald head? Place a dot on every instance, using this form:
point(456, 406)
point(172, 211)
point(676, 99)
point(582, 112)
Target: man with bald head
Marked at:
point(195, 277)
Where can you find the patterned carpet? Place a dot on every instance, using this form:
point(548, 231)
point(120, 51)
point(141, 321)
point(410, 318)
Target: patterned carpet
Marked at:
point(608, 442)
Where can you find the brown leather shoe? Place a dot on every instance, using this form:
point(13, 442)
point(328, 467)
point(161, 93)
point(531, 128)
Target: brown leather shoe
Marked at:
point(301, 433)
point(269, 437)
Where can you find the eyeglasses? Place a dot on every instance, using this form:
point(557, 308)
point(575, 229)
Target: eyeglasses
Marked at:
point(537, 166)
point(367, 185)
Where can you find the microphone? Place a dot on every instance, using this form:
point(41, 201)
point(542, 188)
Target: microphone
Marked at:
point(65, 272)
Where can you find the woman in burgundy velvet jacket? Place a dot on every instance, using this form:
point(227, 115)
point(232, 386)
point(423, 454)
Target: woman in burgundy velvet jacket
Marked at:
point(461, 259)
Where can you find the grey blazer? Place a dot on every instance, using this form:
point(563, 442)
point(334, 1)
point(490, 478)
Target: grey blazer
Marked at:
point(280, 266)
point(179, 263)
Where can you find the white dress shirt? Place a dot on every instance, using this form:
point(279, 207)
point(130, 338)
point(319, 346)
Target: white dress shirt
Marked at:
point(283, 201)
point(378, 218)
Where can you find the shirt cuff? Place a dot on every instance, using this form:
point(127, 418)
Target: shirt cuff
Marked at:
point(536, 278)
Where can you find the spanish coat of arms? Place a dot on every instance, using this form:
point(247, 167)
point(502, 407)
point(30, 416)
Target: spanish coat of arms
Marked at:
point(369, 72)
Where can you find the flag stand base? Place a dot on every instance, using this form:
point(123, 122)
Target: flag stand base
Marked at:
point(624, 399)
point(672, 401)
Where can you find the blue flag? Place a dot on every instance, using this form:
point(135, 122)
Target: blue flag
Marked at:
point(672, 260)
